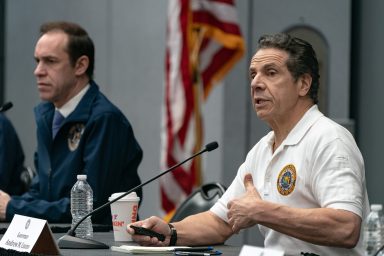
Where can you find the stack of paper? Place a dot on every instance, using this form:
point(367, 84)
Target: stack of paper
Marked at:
point(146, 249)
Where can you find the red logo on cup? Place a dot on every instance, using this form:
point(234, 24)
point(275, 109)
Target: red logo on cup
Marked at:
point(118, 223)
point(134, 213)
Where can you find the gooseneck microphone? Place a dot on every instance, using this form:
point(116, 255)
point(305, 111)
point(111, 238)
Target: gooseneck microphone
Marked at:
point(6, 106)
point(70, 241)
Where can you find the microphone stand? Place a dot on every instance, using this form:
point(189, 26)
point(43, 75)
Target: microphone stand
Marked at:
point(70, 241)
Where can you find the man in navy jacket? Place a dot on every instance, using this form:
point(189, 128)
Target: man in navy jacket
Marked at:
point(93, 138)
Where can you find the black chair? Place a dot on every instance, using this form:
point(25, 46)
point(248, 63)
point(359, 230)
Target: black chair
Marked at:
point(200, 200)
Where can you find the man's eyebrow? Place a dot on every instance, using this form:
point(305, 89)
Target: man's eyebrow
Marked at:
point(46, 57)
point(271, 65)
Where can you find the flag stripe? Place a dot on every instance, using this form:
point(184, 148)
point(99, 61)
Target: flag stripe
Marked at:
point(202, 17)
point(221, 64)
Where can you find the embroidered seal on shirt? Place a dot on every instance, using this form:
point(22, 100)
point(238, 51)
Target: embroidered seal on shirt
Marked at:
point(287, 180)
point(74, 136)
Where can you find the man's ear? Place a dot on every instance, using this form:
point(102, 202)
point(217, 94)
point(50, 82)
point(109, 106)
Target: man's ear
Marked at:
point(305, 84)
point(81, 65)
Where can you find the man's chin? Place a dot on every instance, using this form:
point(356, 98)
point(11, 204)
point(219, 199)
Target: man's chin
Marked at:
point(262, 114)
point(45, 97)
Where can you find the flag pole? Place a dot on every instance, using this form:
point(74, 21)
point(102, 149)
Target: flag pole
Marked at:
point(198, 36)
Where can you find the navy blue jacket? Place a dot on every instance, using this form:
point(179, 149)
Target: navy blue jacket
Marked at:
point(11, 158)
point(95, 139)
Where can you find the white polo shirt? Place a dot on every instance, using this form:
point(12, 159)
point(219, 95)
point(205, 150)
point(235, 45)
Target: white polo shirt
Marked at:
point(317, 165)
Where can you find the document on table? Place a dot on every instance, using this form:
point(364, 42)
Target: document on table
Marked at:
point(258, 251)
point(146, 249)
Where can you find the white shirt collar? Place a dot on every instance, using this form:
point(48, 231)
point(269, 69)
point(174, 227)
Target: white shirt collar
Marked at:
point(301, 127)
point(70, 106)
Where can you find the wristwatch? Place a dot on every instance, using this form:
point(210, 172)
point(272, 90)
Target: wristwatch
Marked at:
point(173, 240)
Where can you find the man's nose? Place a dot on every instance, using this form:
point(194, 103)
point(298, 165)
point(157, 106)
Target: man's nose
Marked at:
point(257, 82)
point(39, 70)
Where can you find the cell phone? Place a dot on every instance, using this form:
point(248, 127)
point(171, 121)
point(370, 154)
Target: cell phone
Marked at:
point(147, 232)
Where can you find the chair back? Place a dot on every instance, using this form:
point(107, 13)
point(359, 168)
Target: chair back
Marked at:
point(200, 200)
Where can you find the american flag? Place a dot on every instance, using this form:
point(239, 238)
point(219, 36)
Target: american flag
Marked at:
point(203, 44)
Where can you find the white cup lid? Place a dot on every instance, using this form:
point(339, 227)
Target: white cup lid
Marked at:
point(130, 197)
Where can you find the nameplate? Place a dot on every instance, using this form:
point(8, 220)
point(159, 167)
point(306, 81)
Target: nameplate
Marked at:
point(32, 235)
point(258, 251)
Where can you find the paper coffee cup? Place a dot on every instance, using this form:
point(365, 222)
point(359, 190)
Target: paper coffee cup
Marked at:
point(124, 212)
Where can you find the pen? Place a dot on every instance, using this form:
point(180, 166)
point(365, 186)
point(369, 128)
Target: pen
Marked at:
point(195, 249)
point(185, 253)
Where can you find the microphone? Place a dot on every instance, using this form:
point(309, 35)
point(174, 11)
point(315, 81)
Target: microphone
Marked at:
point(70, 241)
point(6, 106)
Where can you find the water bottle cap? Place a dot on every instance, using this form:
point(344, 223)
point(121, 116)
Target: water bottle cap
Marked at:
point(376, 207)
point(81, 177)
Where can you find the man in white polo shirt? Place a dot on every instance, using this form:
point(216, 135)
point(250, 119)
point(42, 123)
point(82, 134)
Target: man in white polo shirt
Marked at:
point(303, 183)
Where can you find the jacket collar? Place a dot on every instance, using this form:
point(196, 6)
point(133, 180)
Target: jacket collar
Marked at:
point(45, 110)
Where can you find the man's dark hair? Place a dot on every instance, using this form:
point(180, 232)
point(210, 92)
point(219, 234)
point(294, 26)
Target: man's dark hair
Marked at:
point(79, 43)
point(302, 58)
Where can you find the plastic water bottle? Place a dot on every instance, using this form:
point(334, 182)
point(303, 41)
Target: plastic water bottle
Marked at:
point(374, 230)
point(81, 205)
